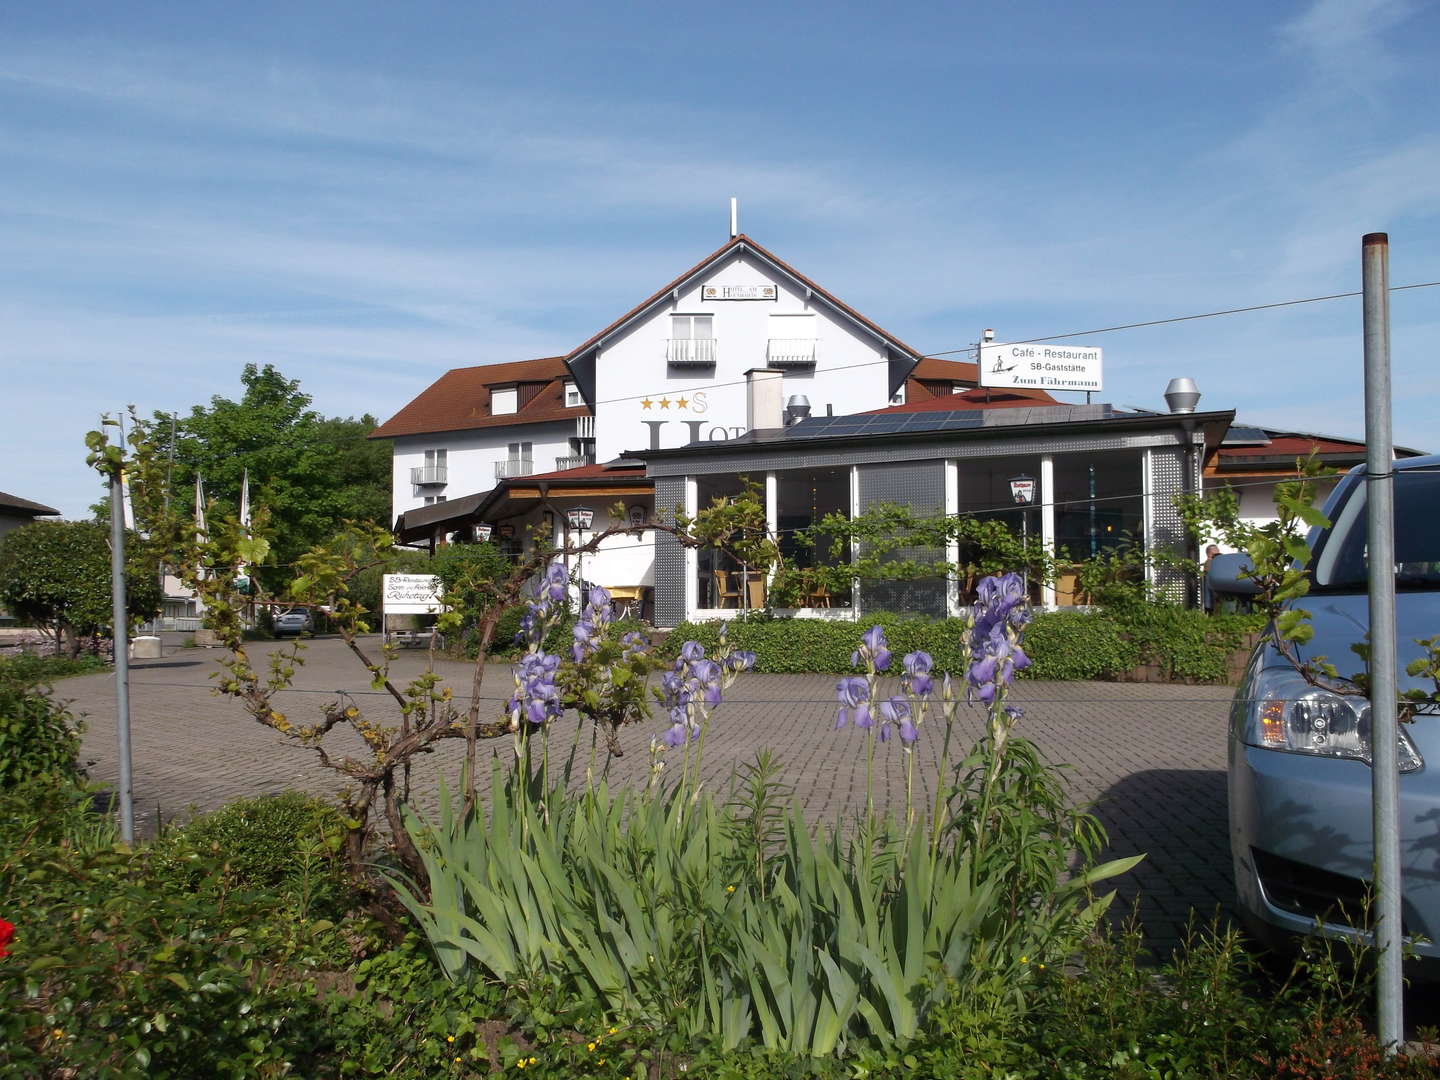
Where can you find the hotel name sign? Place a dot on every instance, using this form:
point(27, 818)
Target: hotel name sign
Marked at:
point(1042, 367)
point(739, 292)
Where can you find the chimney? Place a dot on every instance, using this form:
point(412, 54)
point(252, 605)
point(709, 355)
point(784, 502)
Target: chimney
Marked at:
point(763, 408)
point(1182, 395)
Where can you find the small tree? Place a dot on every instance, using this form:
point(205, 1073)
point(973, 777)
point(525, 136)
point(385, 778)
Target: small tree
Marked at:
point(57, 575)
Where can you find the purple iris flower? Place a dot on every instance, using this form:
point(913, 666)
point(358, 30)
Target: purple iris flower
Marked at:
point(896, 712)
point(853, 693)
point(536, 695)
point(995, 653)
point(692, 651)
point(873, 649)
point(918, 680)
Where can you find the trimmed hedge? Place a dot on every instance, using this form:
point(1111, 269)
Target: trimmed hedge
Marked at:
point(1063, 645)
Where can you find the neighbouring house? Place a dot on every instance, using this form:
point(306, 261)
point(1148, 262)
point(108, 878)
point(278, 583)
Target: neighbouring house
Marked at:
point(15, 512)
point(669, 372)
point(1253, 459)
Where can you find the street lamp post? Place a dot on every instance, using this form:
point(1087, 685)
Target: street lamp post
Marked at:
point(580, 518)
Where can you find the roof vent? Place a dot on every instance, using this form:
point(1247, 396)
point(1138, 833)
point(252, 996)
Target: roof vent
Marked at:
point(796, 409)
point(1182, 395)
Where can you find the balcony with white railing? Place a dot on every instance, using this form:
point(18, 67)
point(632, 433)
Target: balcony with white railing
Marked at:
point(790, 352)
point(428, 475)
point(573, 461)
point(514, 467)
point(691, 352)
point(585, 427)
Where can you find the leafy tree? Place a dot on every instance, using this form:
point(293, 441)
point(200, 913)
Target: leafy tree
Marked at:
point(313, 472)
point(57, 574)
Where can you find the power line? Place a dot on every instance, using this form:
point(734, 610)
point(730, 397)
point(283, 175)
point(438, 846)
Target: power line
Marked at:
point(970, 349)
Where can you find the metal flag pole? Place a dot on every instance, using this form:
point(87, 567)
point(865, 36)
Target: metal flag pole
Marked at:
point(122, 654)
point(1385, 770)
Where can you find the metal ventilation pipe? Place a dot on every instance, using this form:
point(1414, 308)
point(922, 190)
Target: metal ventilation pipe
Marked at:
point(1182, 395)
point(796, 409)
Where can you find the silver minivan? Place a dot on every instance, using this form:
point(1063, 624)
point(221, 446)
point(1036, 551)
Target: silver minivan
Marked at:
point(1299, 755)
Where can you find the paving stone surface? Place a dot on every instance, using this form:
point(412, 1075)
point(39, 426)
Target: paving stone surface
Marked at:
point(1150, 758)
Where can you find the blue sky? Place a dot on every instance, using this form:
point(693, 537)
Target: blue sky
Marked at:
point(367, 194)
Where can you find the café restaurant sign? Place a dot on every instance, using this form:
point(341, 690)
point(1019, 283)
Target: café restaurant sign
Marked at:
point(739, 292)
point(1042, 366)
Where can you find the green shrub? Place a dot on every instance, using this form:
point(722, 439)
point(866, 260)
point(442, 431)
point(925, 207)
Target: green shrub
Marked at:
point(1077, 645)
point(1185, 643)
point(1062, 644)
point(28, 667)
point(288, 843)
point(819, 645)
point(39, 738)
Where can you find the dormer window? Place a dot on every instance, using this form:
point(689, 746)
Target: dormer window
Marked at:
point(504, 401)
point(572, 396)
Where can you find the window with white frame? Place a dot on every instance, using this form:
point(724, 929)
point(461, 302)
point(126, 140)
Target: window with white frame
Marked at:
point(572, 396)
point(899, 396)
point(506, 400)
point(692, 339)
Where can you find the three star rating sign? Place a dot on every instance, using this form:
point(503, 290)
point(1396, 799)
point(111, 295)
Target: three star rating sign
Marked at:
point(665, 403)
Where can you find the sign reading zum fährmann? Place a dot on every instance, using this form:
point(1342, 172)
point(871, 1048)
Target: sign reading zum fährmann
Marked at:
point(1042, 367)
point(412, 594)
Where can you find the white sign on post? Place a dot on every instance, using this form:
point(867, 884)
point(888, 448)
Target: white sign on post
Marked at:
point(1041, 367)
point(412, 594)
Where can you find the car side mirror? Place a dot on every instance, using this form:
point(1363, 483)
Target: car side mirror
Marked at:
point(1224, 573)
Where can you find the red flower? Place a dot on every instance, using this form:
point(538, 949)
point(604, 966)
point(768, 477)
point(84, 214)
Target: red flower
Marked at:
point(7, 935)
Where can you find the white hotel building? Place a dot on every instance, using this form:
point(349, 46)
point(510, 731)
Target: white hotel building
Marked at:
point(506, 444)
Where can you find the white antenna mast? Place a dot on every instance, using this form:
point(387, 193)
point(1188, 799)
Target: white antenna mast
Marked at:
point(734, 218)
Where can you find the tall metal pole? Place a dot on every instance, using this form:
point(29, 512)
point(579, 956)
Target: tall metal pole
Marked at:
point(1385, 771)
point(122, 654)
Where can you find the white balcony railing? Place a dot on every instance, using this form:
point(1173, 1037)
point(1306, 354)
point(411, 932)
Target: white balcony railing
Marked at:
point(694, 351)
point(573, 461)
point(428, 474)
point(585, 427)
point(791, 352)
point(514, 467)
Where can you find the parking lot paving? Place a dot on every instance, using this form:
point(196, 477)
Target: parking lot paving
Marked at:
point(1149, 758)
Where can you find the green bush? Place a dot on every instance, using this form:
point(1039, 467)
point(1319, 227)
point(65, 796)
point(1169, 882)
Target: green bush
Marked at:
point(1185, 643)
point(28, 667)
point(287, 843)
point(39, 738)
point(1077, 645)
point(819, 645)
point(1103, 644)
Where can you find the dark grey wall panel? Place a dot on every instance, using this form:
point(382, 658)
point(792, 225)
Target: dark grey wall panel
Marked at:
point(670, 574)
point(919, 485)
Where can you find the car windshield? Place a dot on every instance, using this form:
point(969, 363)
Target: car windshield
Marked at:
point(1344, 562)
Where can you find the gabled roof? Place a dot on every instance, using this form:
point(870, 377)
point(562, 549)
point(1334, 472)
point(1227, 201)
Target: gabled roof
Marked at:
point(13, 504)
point(743, 243)
point(460, 399)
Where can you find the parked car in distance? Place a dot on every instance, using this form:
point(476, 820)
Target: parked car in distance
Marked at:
point(1299, 754)
point(296, 621)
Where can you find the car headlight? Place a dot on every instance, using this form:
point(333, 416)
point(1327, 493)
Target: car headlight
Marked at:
point(1287, 713)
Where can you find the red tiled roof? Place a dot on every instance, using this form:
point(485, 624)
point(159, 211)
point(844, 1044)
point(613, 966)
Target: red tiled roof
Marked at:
point(460, 399)
point(741, 240)
point(973, 399)
point(934, 367)
point(1294, 446)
